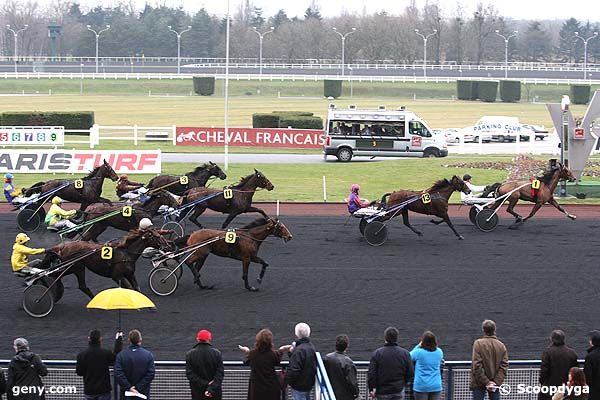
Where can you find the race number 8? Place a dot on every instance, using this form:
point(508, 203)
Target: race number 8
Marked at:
point(106, 253)
point(230, 237)
point(426, 198)
point(183, 180)
point(228, 194)
point(127, 211)
point(535, 184)
point(79, 184)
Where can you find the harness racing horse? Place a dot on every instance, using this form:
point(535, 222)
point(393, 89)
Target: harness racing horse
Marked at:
point(245, 248)
point(523, 191)
point(120, 267)
point(148, 210)
point(439, 193)
point(90, 192)
point(196, 178)
point(241, 202)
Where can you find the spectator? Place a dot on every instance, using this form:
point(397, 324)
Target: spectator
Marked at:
point(576, 389)
point(302, 369)
point(2, 384)
point(134, 367)
point(204, 368)
point(390, 369)
point(341, 371)
point(489, 363)
point(557, 361)
point(25, 370)
point(93, 364)
point(428, 359)
point(592, 365)
point(264, 383)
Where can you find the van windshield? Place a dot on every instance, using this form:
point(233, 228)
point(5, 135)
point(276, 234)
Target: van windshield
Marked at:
point(417, 128)
point(367, 128)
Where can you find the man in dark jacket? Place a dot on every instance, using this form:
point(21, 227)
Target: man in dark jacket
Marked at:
point(302, 369)
point(134, 367)
point(557, 360)
point(93, 364)
point(24, 372)
point(592, 366)
point(341, 371)
point(390, 369)
point(204, 368)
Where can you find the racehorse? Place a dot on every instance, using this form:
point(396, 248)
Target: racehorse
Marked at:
point(120, 267)
point(545, 194)
point(148, 210)
point(439, 194)
point(90, 192)
point(245, 248)
point(240, 203)
point(196, 178)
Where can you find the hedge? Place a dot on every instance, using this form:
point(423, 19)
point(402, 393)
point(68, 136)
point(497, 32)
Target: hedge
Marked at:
point(332, 88)
point(297, 113)
point(204, 85)
point(295, 119)
point(510, 91)
point(300, 122)
point(70, 120)
point(580, 94)
point(466, 90)
point(488, 90)
point(265, 120)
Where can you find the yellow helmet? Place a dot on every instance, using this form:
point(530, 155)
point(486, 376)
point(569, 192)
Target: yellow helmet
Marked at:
point(56, 200)
point(21, 238)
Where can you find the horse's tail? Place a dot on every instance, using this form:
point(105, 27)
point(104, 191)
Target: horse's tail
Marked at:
point(384, 199)
point(491, 189)
point(36, 188)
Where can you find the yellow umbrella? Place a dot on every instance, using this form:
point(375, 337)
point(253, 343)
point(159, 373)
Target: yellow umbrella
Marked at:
point(120, 299)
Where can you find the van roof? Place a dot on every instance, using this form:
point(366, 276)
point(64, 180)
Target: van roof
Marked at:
point(365, 114)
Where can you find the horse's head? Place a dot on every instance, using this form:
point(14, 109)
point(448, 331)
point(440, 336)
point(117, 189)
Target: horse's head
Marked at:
point(215, 170)
point(280, 230)
point(566, 174)
point(165, 198)
point(262, 181)
point(154, 238)
point(459, 185)
point(108, 172)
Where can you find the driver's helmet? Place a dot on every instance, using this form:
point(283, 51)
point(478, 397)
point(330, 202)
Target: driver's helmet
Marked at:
point(145, 223)
point(8, 176)
point(57, 200)
point(21, 238)
point(354, 188)
point(467, 177)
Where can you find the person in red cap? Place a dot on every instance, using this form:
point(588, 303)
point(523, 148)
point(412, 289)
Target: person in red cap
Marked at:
point(204, 368)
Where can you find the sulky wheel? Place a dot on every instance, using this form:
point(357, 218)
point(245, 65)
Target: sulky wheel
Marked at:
point(175, 227)
point(376, 233)
point(172, 264)
point(361, 225)
point(473, 214)
point(28, 220)
point(38, 301)
point(163, 281)
point(486, 220)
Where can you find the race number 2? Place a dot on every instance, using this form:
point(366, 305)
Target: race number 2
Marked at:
point(106, 253)
point(535, 184)
point(127, 211)
point(230, 236)
point(78, 184)
point(426, 198)
point(183, 180)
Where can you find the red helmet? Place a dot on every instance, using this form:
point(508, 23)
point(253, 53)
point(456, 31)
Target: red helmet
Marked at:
point(355, 188)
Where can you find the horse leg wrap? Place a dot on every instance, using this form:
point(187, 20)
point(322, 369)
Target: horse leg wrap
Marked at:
point(262, 273)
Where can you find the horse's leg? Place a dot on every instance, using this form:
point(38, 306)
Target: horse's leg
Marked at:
point(512, 202)
point(553, 201)
point(103, 200)
point(198, 210)
point(437, 222)
point(407, 222)
point(259, 260)
point(80, 275)
point(446, 219)
point(130, 276)
point(229, 218)
point(195, 267)
point(257, 210)
point(245, 266)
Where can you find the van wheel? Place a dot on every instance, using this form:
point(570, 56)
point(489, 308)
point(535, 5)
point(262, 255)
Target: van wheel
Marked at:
point(344, 154)
point(430, 153)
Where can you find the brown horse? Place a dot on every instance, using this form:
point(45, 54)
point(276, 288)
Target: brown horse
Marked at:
point(245, 248)
point(148, 210)
point(196, 178)
point(545, 194)
point(90, 193)
point(241, 202)
point(120, 268)
point(439, 193)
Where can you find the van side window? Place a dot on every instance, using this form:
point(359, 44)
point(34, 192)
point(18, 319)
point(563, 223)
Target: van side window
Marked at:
point(416, 128)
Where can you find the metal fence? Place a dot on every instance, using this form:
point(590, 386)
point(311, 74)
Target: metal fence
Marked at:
point(170, 382)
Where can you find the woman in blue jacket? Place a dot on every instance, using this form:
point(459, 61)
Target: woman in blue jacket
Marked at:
point(428, 359)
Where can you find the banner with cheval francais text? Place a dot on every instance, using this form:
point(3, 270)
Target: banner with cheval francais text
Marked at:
point(251, 137)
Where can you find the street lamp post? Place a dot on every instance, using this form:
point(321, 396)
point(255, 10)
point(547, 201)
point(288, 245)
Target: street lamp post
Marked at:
point(97, 37)
point(179, 44)
point(16, 35)
point(425, 38)
point(260, 45)
point(344, 36)
point(506, 39)
point(564, 148)
point(585, 42)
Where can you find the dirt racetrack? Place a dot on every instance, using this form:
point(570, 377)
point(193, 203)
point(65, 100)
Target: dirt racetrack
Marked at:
point(529, 281)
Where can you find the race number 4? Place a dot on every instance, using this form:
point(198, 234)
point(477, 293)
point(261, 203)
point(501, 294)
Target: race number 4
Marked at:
point(426, 198)
point(106, 253)
point(228, 194)
point(230, 236)
point(78, 184)
point(184, 180)
point(127, 211)
point(535, 184)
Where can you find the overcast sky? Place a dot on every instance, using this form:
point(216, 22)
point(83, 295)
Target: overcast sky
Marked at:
point(518, 9)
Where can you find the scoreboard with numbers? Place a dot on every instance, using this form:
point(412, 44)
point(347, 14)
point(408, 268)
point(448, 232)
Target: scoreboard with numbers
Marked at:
point(32, 135)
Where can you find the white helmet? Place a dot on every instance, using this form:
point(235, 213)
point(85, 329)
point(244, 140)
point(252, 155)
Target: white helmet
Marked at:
point(145, 223)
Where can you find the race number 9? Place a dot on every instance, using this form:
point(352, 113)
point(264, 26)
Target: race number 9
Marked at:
point(535, 184)
point(228, 194)
point(127, 211)
point(183, 180)
point(78, 184)
point(426, 198)
point(230, 237)
point(106, 253)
